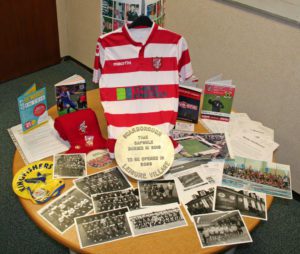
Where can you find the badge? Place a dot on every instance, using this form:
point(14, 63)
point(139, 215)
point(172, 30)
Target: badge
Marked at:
point(144, 152)
point(157, 62)
point(98, 159)
point(35, 182)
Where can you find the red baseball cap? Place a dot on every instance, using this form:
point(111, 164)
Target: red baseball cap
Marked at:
point(82, 130)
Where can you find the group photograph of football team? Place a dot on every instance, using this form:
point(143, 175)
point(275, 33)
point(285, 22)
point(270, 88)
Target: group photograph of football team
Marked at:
point(102, 227)
point(155, 219)
point(221, 228)
point(267, 177)
point(157, 192)
point(105, 181)
point(117, 199)
point(70, 165)
point(61, 212)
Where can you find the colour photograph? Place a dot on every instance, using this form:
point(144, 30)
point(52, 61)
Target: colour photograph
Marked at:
point(271, 178)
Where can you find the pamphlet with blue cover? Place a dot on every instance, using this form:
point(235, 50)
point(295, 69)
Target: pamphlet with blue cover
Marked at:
point(33, 108)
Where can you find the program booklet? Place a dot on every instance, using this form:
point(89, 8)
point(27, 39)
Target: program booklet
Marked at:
point(33, 108)
point(218, 98)
point(71, 95)
point(189, 103)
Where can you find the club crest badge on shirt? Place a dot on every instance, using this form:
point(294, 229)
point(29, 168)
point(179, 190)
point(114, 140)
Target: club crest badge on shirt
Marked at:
point(157, 63)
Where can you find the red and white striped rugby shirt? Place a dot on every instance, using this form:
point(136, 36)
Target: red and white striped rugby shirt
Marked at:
point(138, 71)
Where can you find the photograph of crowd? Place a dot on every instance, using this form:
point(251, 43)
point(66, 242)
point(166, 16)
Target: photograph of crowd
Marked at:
point(261, 176)
point(199, 200)
point(106, 181)
point(155, 219)
point(158, 192)
point(61, 212)
point(201, 146)
point(250, 204)
point(69, 165)
point(115, 200)
point(222, 228)
point(102, 227)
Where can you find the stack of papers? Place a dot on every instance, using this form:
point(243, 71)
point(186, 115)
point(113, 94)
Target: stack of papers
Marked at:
point(247, 138)
point(39, 143)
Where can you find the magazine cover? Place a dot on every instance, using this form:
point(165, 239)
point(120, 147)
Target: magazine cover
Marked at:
point(218, 98)
point(71, 95)
point(33, 108)
point(189, 103)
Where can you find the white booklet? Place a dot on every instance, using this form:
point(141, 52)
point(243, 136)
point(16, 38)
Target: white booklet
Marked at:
point(39, 143)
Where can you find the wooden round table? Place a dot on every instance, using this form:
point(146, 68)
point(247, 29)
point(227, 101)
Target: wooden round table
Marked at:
point(180, 240)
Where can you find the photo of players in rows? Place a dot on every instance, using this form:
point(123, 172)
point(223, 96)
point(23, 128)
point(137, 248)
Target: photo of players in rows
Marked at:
point(69, 165)
point(61, 212)
point(102, 227)
point(157, 192)
point(115, 200)
point(267, 177)
point(222, 228)
point(155, 219)
point(106, 181)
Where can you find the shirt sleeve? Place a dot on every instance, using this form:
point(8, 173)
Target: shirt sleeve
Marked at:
point(184, 61)
point(98, 61)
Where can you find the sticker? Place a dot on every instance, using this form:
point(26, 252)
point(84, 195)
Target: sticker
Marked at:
point(35, 182)
point(144, 152)
point(98, 159)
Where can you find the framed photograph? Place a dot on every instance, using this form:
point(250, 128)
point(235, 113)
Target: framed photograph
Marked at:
point(155, 219)
point(250, 204)
point(69, 165)
point(221, 228)
point(102, 227)
point(116, 200)
point(106, 181)
point(158, 192)
point(60, 213)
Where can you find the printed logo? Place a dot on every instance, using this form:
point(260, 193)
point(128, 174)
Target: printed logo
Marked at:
point(83, 127)
point(157, 62)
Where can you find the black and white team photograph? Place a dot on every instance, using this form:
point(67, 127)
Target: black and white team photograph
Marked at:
point(249, 203)
point(115, 200)
point(109, 180)
point(157, 192)
point(69, 165)
point(102, 227)
point(221, 228)
point(155, 219)
point(61, 212)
